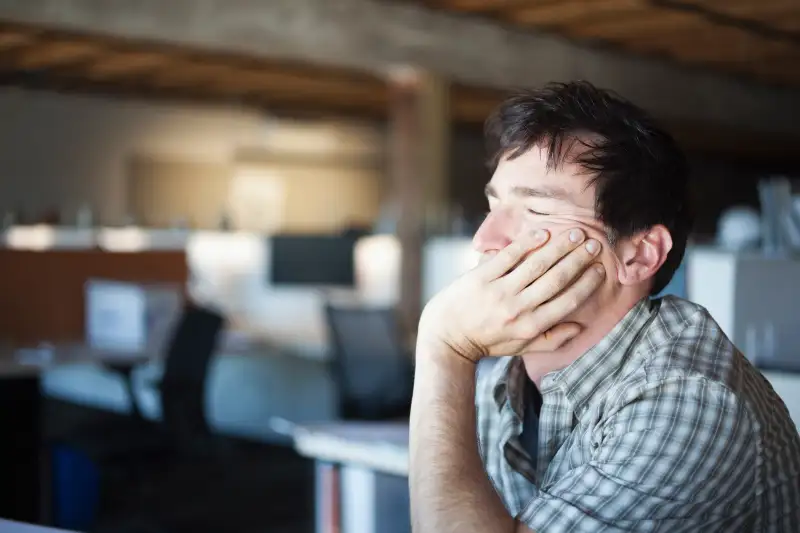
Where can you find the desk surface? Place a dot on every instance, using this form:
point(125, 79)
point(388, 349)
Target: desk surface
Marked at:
point(380, 446)
point(16, 361)
point(20, 361)
point(30, 361)
point(8, 526)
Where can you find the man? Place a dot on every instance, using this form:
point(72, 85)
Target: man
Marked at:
point(606, 410)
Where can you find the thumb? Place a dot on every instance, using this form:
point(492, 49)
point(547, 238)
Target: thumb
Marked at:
point(554, 338)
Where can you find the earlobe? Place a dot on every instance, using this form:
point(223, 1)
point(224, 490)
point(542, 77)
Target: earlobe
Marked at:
point(643, 255)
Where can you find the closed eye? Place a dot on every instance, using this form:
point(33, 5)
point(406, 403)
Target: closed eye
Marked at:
point(537, 212)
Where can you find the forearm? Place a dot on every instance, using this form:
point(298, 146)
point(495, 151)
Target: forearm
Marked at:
point(449, 488)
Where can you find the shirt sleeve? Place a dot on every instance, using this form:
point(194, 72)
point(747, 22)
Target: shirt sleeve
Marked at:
point(677, 450)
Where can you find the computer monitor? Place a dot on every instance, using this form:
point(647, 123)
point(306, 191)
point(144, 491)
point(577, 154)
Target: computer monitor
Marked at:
point(323, 260)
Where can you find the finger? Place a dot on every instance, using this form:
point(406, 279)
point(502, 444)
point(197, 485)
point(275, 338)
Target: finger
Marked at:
point(554, 338)
point(535, 265)
point(511, 255)
point(545, 316)
point(558, 278)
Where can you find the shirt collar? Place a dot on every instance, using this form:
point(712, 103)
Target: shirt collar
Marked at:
point(587, 375)
point(500, 377)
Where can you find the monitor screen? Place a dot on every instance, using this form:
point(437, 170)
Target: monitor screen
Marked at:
point(313, 260)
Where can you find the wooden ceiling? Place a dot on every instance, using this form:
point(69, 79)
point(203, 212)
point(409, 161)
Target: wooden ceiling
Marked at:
point(758, 39)
point(38, 58)
point(67, 62)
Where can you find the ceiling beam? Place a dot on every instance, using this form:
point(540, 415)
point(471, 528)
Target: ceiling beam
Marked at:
point(567, 11)
point(718, 44)
point(469, 106)
point(372, 35)
point(631, 24)
point(483, 6)
point(125, 64)
point(725, 18)
point(13, 39)
point(54, 55)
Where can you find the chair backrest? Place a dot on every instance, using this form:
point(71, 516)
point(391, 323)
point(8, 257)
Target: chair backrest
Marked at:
point(186, 364)
point(371, 364)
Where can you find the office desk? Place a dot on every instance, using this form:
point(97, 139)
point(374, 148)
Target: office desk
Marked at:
point(9, 526)
point(244, 389)
point(362, 471)
point(31, 361)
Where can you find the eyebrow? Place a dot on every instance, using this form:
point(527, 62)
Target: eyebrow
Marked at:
point(556, 193)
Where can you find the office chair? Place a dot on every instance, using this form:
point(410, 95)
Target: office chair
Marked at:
point(182, 392)
point(183, 385)
point(129, 449)
point(370, 364)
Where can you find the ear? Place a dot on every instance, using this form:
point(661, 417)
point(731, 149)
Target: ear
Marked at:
point(643, 254)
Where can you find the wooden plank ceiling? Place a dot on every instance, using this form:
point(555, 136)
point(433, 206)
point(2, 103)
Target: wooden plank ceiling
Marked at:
point(38, 58)
point(757, 39)
point(56, 60)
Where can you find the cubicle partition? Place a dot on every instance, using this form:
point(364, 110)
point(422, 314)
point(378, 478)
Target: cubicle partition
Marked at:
point(43, 291)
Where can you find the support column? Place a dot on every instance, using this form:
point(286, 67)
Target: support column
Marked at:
point(419, 167)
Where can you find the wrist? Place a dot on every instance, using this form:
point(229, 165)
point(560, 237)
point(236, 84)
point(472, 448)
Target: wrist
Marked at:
point(432, 343)
point(441, 374)
point(437, 353)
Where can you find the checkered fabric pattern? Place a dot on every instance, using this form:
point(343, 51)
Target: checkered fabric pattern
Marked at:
point(662, 426)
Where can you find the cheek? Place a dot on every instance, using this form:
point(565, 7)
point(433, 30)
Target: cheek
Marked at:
point(558, 225)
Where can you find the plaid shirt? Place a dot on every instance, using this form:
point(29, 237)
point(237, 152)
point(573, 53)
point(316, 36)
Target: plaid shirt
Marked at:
point(662, 426)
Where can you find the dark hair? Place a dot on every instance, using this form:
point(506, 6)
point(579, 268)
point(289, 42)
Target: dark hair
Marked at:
point(640, 173)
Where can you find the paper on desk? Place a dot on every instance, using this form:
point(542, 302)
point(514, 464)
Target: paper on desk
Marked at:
point(381, 446)
point(393, 433)
point(40, 356)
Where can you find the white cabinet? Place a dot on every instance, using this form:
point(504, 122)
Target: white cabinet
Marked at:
point(754, 298)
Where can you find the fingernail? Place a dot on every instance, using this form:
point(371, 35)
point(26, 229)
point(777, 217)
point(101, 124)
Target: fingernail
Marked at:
point(599, 269)
point(592, 246)
point(540, 235)
point(576, 235)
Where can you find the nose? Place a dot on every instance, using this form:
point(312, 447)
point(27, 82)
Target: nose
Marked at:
point(496, 232)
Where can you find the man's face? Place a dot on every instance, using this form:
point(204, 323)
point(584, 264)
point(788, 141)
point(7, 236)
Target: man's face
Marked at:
point(524, 196)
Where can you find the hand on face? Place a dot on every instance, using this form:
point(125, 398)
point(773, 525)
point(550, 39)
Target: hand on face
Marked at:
point(516, 301)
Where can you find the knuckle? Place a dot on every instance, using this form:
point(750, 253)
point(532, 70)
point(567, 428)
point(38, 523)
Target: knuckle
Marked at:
point(533, 327)
point(553, 287)
point(534, 268)
point(509, 313)
point(540, 325)
point(515, 249)
point(573, 302)
point(563, 277)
